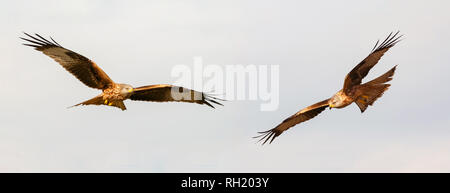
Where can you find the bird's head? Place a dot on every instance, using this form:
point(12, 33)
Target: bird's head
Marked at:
point(334, 101)
point(126, 89)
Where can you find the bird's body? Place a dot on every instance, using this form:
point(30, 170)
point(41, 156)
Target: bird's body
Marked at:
point(113, 94)
point(342, 99)
point(353, 91)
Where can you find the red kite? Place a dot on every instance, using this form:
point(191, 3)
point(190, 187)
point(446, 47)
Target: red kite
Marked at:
point(353, 91)
point(113, 93)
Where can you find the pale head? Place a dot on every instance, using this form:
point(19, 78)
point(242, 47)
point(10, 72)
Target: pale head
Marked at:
point(336, 100)
point(125, 89)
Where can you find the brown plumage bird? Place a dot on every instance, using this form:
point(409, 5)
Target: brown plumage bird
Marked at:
point(113, 93)
point(362, 94)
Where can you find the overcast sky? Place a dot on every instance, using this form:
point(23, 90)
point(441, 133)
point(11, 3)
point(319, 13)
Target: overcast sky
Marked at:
point(315, 44)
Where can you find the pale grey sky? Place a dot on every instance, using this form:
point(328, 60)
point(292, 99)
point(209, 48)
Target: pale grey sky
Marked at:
point(315, 43)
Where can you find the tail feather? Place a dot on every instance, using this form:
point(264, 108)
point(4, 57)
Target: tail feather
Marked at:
point(118, 104)
point(386, 77)
point(374, 89)
point(370, 94)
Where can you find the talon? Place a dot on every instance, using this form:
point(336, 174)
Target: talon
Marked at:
point(109, 104)
point(106, 102)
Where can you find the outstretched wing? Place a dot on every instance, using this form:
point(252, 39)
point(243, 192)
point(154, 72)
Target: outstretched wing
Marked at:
point(362, 69)
point(170, 93)
point(81, 67)
point(301, 116)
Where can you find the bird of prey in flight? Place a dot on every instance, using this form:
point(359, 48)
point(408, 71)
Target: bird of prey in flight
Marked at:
point(113, 93)
point(353, 91)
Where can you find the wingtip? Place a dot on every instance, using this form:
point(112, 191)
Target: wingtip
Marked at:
point(26, 33)
point(267, 136)
point(391, 40)
point(207, 99)
point(73, 106)
point(39, 40)
point(209, 104)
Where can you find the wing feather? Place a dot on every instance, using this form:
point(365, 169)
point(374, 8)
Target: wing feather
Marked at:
point(170, 93)
point(299, 117)
point(81, 67)
point(355, 76)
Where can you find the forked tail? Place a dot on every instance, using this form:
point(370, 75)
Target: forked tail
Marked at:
point(374, 89)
